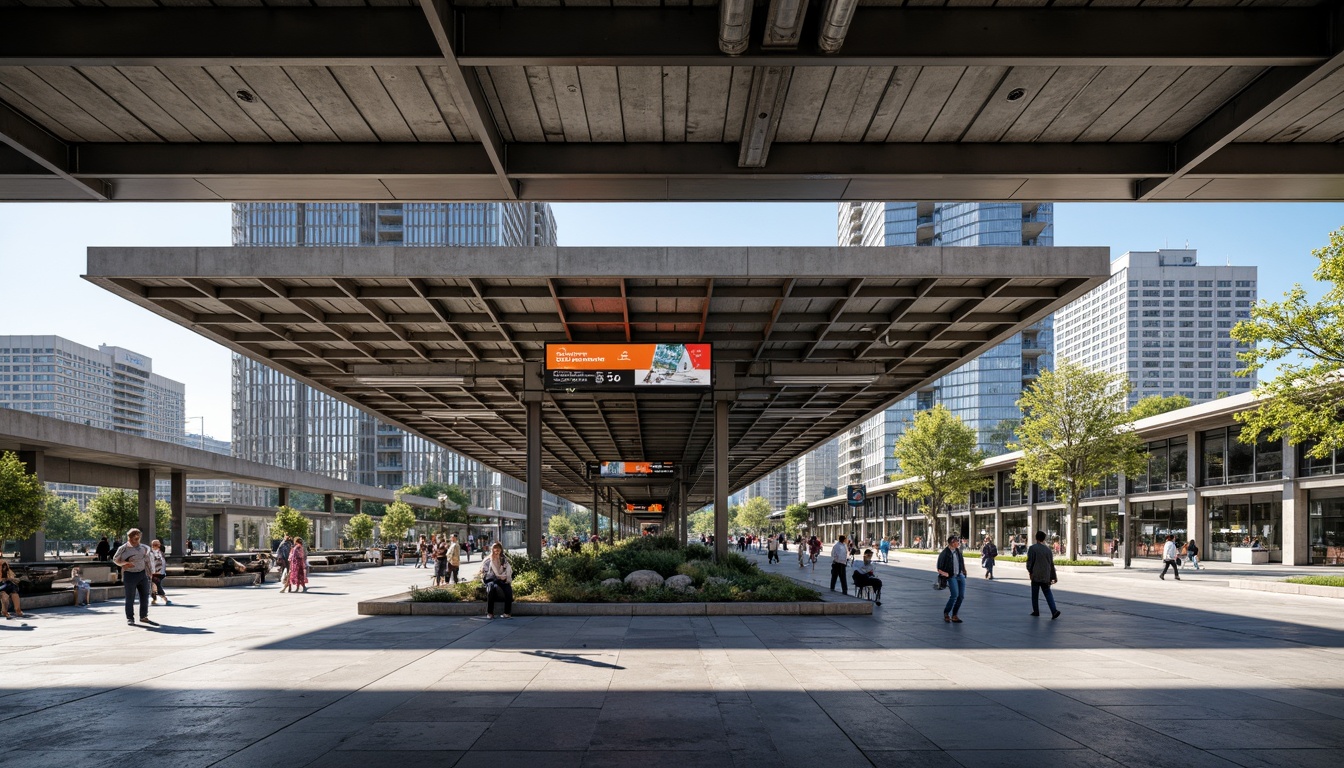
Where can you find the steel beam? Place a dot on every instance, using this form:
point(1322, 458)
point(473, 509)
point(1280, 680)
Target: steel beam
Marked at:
point(889, 36)
point(46, 151)
point(1262, 98)
point(467, 92)
point(579, 36)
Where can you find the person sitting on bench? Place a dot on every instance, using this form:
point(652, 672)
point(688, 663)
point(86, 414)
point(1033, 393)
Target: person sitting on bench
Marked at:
point(864, 577)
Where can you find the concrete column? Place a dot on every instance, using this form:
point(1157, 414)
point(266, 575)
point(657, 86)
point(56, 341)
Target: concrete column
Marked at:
point(283, 494)
point(223, 541)
point(1296, 530)
point(721, 478)
point(594, 531)
point(177, 499)
point(533, 395)
point(998, 528)
point(34, 548)
point(684, 511)
point(905, 531)
point(147, 521)
point(1194, 515)
point(328, 506)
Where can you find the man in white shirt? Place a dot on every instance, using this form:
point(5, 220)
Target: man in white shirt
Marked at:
point(136, 566)
point(839, 561)
point(1171, 558)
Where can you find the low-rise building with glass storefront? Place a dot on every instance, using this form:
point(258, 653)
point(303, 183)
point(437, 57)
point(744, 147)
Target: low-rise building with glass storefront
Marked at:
point(1261, 502)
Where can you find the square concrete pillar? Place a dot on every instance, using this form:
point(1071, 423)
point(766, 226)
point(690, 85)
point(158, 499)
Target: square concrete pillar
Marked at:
point(721, 478)
point(1194, 514)
point(34, 548)
point(998, 528)
point(223, 541)
point(148, 523)
point(177, 499)
point(1296, 533)
point(282, 497)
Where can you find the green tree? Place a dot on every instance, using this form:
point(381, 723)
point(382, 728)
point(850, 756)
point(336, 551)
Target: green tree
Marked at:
point(702, 522)
point(23, 500)
point(65, 522)
point(1076, 433)
point(1152, 405)
point(1306, 339)
point(753, 515)
point(560, 525)
point(795, 516)
point(201, 529)
point(290, 522)
point(938, 454)
point(359, 529)
point(163, 520)
point(397, 520)
point(113, 512)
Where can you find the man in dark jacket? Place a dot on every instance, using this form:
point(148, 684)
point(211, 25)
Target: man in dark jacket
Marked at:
point(103, 549)
point(1041, 568)
point(952, 566)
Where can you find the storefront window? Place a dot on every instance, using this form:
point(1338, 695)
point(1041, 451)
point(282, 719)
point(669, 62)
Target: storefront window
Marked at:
point(1010, 491)
point(1244, 521)
point(984, 526)
point(1089, 531)
point(1309, 467)
point(1153, 521)
point(1227, 460)
point(1014, 531)
point(1325, 526)
point(1215, 445)
point(1052, 522)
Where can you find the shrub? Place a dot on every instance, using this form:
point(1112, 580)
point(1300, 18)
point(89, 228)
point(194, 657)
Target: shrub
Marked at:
point(739, 563)
point(525, 584)
point(630, 559)
point(434, 595)
point(696, 551)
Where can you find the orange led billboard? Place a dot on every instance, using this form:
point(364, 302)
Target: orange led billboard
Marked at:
point(572, 367)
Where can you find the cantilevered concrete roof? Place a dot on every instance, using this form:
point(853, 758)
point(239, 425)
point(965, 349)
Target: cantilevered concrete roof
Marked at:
point(489, 100)
point(870, 325)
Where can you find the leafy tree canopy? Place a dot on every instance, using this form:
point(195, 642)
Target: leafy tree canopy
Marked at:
point(560, 525)
point(795, 515)
point(1152, 405)
point(113, 512)
point(66, 521)
point(398, 518)
point(1306, 340)
point(754, 515)
point(359, 529)
point(290, 522)
point(23, 499)
point(702, 522)
point(1076, 433)
point(938, 454)
point(458, 500)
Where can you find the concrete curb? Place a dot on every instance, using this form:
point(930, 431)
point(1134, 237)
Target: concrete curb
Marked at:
point(1286, 588)
point(201, 582)
point(60, 597)
point(401, 605)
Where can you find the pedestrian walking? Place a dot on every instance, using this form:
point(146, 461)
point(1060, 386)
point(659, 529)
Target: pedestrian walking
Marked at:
point(885, 548)
point(802, 551)
point(772, 550)
point(952, 567)
point(1041, 568)
point(157, 573)
point(497, 575)
point(455, 558)
point(865, 576)
point(103, 549)
point(421, 552)
point(282, 560)
point(440, 560)
point(814, 550)
point(1170, 559)
point(988, 552)
point(1192, 555)
point(839, 561)
point(298, 567)
point(134, 560)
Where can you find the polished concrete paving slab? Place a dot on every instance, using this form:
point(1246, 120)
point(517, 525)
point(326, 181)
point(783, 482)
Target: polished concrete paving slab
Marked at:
point(1136, 672)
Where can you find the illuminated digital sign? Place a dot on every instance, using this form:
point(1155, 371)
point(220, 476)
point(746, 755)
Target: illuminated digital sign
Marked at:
point(581, 367)
point(616, 470)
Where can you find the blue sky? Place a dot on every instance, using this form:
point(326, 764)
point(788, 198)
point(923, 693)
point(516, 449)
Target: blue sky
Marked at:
point(42, 257)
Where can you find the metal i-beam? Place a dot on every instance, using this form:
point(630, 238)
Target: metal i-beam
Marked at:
point(1262, 98)
point(468, 93)
point(47, 151)
point(681, 36)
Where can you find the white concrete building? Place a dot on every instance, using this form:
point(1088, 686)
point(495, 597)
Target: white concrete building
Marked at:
point(1165, 322)
point(817, 473)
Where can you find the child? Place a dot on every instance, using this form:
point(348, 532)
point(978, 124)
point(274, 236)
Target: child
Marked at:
point(81, 586)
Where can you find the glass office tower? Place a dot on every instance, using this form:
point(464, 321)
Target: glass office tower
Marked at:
point(286, 423)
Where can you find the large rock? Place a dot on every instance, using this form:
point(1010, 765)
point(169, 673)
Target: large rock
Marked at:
point(611, 583)
point(642, 580)
point(680, 583)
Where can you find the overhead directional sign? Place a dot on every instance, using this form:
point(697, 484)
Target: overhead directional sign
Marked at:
point(574, 367)
point(644, 508)
point(616, 470)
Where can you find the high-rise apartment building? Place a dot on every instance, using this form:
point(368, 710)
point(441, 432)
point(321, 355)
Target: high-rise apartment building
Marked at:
point(780, 487)
point(1165, 322)
point(817, 472)
point(286, 423)
point(108, 388)
point(200, 491)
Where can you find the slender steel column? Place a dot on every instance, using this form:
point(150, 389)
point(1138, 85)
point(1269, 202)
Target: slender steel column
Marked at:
point(533, 528)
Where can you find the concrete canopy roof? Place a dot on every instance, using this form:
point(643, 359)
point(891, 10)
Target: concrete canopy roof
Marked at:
point(481, 100)
point(878, 322)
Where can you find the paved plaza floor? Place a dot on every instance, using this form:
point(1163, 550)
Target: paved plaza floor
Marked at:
point(1136, 672)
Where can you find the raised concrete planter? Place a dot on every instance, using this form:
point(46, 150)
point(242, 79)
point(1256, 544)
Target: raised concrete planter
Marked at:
point(401, 605)
point(58, 598)
point(340, 567)
point(202, 582)
point(1287, 588)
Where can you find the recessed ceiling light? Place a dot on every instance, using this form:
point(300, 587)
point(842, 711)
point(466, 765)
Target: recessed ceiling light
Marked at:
point(1016, 94)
